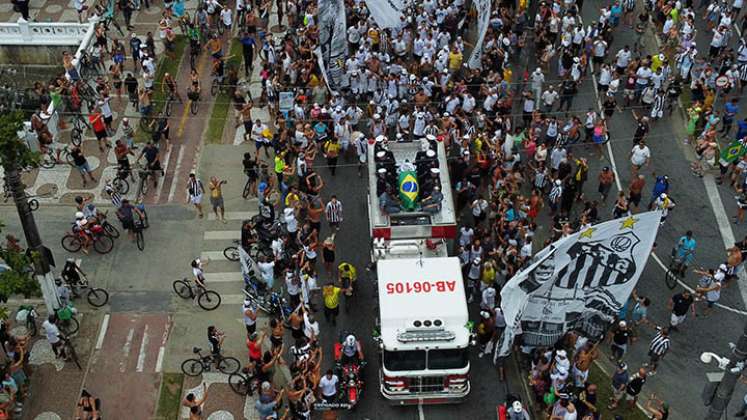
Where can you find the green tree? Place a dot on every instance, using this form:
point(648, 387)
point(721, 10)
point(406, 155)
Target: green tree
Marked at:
point(14, 152)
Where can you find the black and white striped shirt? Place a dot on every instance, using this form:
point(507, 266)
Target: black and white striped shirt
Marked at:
point(659, 345)
point(334, 211)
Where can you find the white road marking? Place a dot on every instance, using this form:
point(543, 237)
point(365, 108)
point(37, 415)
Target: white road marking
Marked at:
point(179, 159)
point(102, 332)
point(235, 215)
point(159, 360)
point(224, 277)
point(165, 168)
point(222, 234)
point(213, 255)
point(143, 347)
point(232, 299)
point(421, 416)
point(126, 350)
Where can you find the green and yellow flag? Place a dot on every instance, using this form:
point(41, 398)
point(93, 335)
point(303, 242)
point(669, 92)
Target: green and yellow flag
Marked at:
point(733, 151)
point(408, 189)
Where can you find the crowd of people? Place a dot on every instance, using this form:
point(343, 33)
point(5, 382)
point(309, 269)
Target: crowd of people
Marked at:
point(518, 152)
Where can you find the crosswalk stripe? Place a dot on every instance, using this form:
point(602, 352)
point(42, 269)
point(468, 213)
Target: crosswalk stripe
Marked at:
point(232, 299)
point(226, 277)
point(222, 234)
point(213, 255)
point(235, 215)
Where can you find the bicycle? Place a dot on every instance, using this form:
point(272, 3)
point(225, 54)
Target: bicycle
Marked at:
point(148, 123)
point(216, 86)
point(143, 186)
point(102, 242)
point(232, 252)
point(79, 126)
point(167, 107)
point(49, 159)
point(139, 239)
point(69, 350)
point(120, 183)
point(242, 384)
point(109, 228)
point(195, 367)
point(206, 299)
point(194, 106)
point(96, 296)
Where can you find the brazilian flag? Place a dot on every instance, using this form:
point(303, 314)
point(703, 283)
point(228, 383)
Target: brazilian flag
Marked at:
point(733, 151)
point(408, 189)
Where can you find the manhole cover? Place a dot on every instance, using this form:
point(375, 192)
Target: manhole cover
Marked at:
point(220, 415)
point(48, 415)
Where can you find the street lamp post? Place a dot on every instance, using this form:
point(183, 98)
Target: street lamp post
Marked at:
point(42, 268)
point(732, 371)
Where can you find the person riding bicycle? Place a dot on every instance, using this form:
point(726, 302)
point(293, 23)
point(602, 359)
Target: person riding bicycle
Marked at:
point(126, 214)
point(686, 250)
point(152, 159)
point(170, 83)
point(71, 273)
point(352, 352)
point(198, 270)
point(215, 47)
point(347, 275)
point(63, 292)
point(81, 229)
point(219, 70)
point(193, 92)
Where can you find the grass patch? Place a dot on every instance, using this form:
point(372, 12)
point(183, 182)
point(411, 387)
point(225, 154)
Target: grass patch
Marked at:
point(165, 65)
point(604, 392)
point(169, 399)
point(222, 103)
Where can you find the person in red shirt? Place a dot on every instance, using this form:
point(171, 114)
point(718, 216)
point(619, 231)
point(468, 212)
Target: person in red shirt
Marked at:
point(99, 129)
point(254, 344)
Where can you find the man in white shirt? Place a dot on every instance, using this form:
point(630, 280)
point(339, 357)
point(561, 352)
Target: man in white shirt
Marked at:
point(328, 386)
point(549, 97)
point(53, 335)
point(639, 156)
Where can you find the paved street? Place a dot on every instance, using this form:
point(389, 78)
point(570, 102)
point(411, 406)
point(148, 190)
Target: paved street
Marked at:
point(147, 330)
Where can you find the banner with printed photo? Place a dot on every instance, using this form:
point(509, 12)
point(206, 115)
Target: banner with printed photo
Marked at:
point(386, 13)
point(333, 39)
point(483, 22)
point(579, 282)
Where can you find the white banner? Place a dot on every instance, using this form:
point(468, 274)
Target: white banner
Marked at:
point(579, 282)
point(483, 22)
point(332, 39)
point(386, 13)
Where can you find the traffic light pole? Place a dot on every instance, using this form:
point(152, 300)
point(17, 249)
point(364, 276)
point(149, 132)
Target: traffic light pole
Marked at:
point(42, 268)
point(732, 372)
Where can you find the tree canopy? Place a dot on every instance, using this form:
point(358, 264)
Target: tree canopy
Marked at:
point(14, 152)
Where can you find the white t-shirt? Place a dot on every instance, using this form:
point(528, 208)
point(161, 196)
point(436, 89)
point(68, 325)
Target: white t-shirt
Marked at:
point(640, 155)
point(310, 329)
point(266, 270)
point(52, 332)
point(248, 320)
point(226, 16)
point(328, 385)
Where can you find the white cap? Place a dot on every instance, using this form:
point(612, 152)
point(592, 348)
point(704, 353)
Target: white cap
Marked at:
point(622, 324)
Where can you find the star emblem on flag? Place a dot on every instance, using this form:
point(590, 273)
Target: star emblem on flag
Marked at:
point(628, 223)
point(587, 233)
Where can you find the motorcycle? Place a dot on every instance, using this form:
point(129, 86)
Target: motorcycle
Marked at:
point(350, 373)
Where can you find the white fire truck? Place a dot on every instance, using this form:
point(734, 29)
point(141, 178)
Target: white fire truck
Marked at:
point(423, 334)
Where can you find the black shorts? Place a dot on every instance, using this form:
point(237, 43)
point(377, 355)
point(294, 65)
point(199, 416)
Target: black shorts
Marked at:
point(597, 60)
point(108, 120)
point(100, 135)
point(635, 199)
point(128, 224)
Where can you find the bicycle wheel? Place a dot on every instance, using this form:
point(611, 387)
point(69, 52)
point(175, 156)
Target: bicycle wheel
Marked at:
point(671, 279)
point(239, 383)
point(69, 327)
point(209, 300)
point(229, 365)
point(71, 243)
point(103, 244)
point(68, 158)
point(121, 185)
point(31, 328)
point(193, 107)
point(247, 189)
point(145, 125)
point(192, 61)
point(231, 253)
point(144, 186)
point(47, 161)
point(192, 367)
point(72, 354)
point(214, 87)
point(110, 230)
point(139, 239)
point(182, 289)
point(167, 108)
point(97, 297)
point(221, 28)
point(76, 137)
point(34, 204)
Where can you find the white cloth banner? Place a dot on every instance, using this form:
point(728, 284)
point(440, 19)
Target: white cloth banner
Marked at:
point(332, 39)
point(579, 282)
point(386, 13)
point(483, 22)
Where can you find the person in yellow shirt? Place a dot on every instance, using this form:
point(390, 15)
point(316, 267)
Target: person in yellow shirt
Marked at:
point(279, 167)
point(216, 198)
point(331, 296)
point(373, 35)
point(332, 152)
point(455, 60)
point(346, 274)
